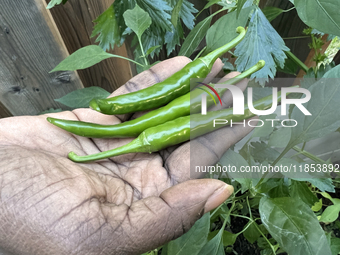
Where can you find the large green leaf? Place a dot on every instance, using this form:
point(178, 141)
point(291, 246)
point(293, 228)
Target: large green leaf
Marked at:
point(81, 98)
point(84, 58)
point(218, 35)
point(324, 106)
point(214, 246)
point(294, 226)
point(192, 241)
point(261, 42)
point(335, 246)
point(195, 37)
point(320, 14)
point(138, 20)
point(107, 29)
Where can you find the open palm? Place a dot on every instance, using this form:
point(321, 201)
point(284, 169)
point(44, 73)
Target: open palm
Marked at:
point(125, 205)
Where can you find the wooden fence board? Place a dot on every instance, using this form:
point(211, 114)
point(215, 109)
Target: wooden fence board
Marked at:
point(74, 20)
point(31, 46)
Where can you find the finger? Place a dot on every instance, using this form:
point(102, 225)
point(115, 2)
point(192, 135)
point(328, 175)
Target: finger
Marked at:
point(206, 150)
point(217, 67)
point(153, 221)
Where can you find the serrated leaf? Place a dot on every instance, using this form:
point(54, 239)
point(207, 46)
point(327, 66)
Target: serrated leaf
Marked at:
point(294, 226)
point(172, 39)
point(106, 29)
point(185, 12)
point(271, 12)
point(175, 12)
point(266, 129)
point(320, 14)
point(261, 42)
point(300, 190)
point(323, 106)
point(192, 241)
point(262, 152)
point(330, 214)
point(150, 50)
point(194, 38)
point(138, 20)
point(159, 12)
point(218, 35)
point(81, 98)
point(84, 58)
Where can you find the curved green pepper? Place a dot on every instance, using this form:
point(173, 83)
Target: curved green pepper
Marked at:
point(175, 132)
point(162, 93)
point(181, 106)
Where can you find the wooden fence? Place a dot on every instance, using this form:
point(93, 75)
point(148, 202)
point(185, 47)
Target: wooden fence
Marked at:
point(34, 40)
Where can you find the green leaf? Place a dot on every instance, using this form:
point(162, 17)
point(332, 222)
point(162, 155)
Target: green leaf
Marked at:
point(267, 127)
point(322, 15)
point(175, 12)
point(290, 67)
point(294, 226)
point(300, 190)
point(229, 238)
point(271, 12)
point(138, 20)
point(321, 184)
point(192, 241)
point(335, 245)
point(323, 106)
point(335, 201)
point(279, 138)
point(107, 29)
point(159, 12)
point(186, 14)
point(280, 190)
point(261, 42)
point(81, 98)
point(195, 37)
point(236, 160)
point(149, 51)
point(317, 206)
point(84, 58)
point(172, 39)
point(218, 35)
point(330, 214)
point(53, 3)
point(240, 4)
point(251, 233)
point(214, 246)
point(262, 152)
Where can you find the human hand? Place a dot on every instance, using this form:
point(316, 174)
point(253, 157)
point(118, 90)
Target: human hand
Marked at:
point(125, 205)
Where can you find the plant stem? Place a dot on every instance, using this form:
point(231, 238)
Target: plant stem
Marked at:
point(253, 221)
point(142, 50)
point(297, 61)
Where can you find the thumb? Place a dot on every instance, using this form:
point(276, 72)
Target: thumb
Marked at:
point(154, 221)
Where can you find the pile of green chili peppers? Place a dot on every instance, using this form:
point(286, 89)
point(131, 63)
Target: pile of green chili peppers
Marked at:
point(170, 124)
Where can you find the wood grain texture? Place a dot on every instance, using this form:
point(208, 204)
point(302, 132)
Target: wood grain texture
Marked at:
point(74, 20)
point(31, 46)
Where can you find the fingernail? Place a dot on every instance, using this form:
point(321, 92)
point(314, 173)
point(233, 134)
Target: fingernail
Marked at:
point(218, 197)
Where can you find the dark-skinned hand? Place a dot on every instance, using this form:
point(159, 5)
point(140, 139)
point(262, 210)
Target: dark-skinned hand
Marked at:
point(124, 205)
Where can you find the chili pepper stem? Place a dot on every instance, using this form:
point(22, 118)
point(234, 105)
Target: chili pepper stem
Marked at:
point(140, 144)
point(210, 59)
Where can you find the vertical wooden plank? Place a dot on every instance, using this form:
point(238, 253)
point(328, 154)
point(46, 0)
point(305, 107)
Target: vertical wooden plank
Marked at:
point(74, 20)
point(31, 46)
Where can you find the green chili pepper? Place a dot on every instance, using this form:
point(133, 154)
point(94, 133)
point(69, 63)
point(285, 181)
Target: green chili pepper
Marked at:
point(175, 132)
point(162, 93)
point(181, 106)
